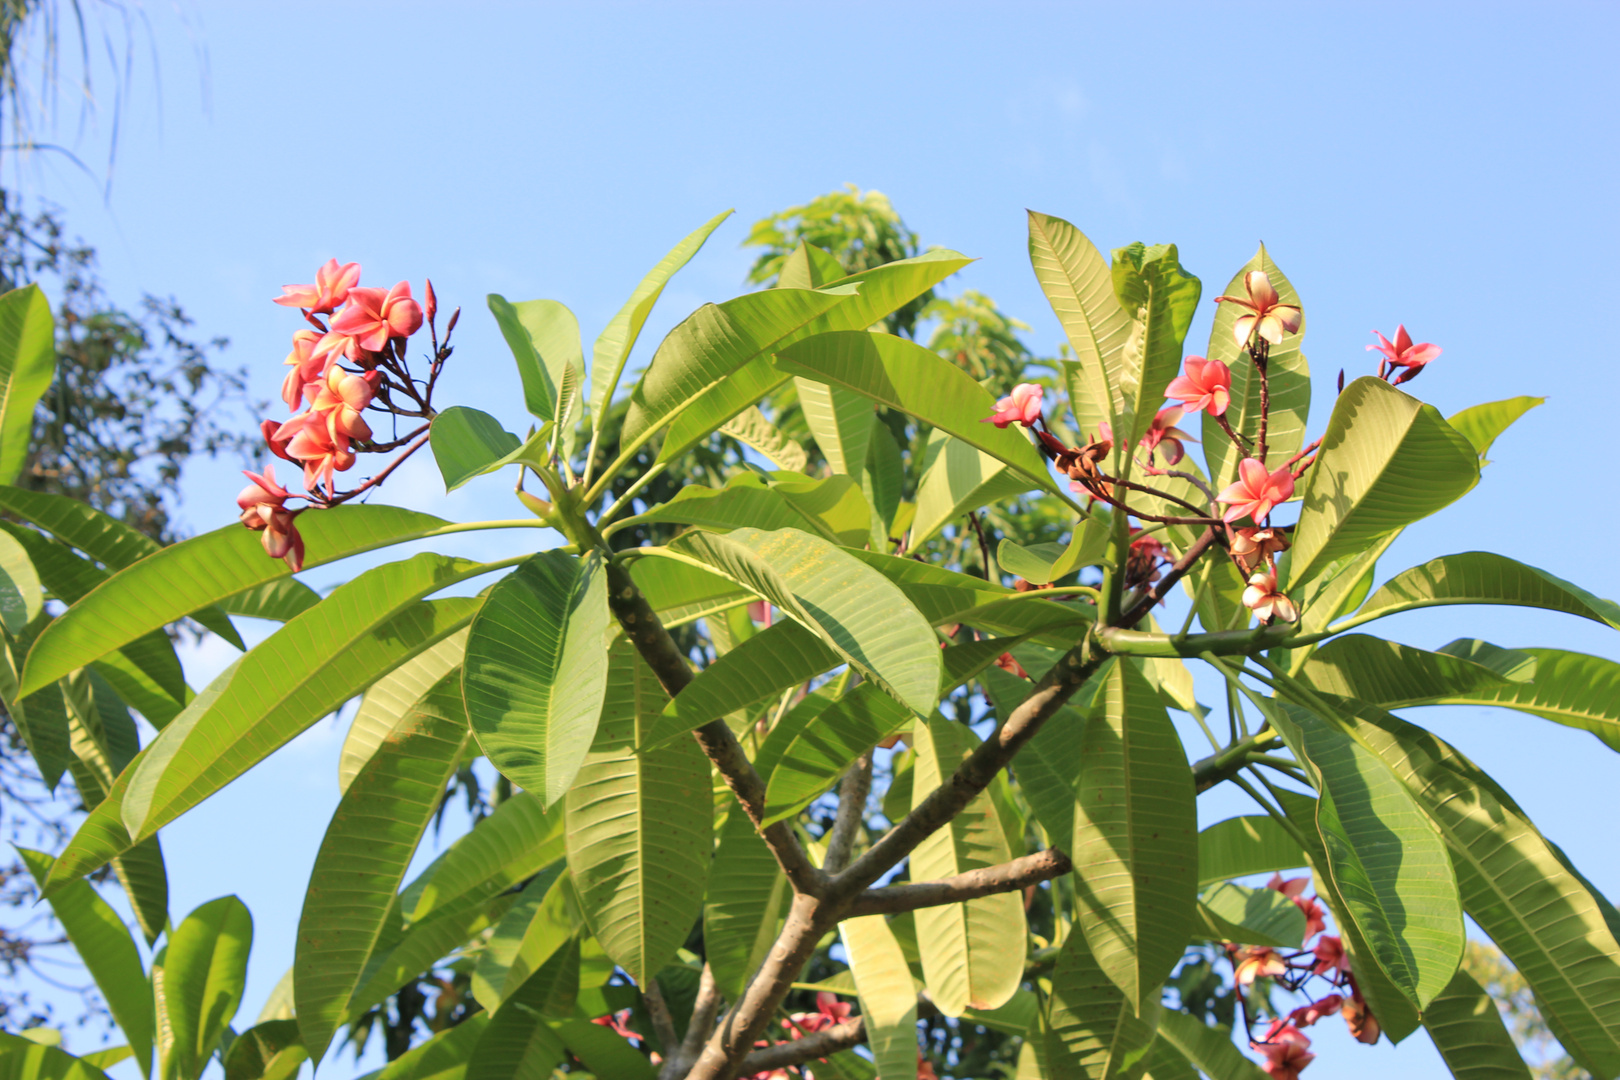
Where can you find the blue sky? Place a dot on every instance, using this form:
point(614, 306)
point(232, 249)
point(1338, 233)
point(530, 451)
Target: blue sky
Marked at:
point(1449, 166)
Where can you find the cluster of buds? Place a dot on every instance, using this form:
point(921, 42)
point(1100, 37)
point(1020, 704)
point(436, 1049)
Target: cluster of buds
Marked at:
point(1284, 1046)
point(338, 370)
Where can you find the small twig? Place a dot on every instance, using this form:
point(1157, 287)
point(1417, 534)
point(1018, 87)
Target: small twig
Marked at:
point(377, 480)
point(1011, 876)
point(1157, 494)
point(663, 1023)
point(822, 1044)
point(1140, 608)
point(1237, 440)
point(984, 546)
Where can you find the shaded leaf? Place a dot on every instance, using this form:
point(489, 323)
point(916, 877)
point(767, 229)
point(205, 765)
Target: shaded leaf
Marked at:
point(198, 986)
point(821, 752)
point(1092, 1031)
point(1241, 846)
point(1246, 916)
point(1468, 1031)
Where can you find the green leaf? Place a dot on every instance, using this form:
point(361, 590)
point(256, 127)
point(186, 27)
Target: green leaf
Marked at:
point(270, 1050)
point(313, 664)
point(1165, 1062)
point(747, 899)
point(1033, 563)
point(198, 986)
point(1387, 858)
point(364, 854)
point(468, 443)
point(1135, 835)
point(104, 945)
point(1092, 1030)
point(1240, 846)
point(1384, 672)
point(840, 420)
point(1080, 288)
point(1048, 768)
point(1248, 916)
point(1516, 887)
point(888, 998)
point(544, 338)
point(1288, 378)
point(613, 346)
point(883, 483)
point(748, 501)
point(388, 703)
point(443, 1057)
point(1480, 577)
point(854, 609)
point(536, 670)
point(881, 291)
point(757, 670)
point(422, 945)
point(1468, 1031)
point(750, 428)
point(1386, 461)
point(27, 364)
point(1161, 298)
point(1209, 1048)
point(21, 595)
point(604, 1053)
point(519, 839)
point(1483, 424)
point(42, 720)
point(681, 592)
point(972, 952)
point(278, 600)
point(639, 827)
point(905, 376)
point(821, 752)
point(518, 1044)
point(206, 569)
point(961, 478)
point(25, 1059)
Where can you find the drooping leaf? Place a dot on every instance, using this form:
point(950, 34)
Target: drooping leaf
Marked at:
point(204, 570)
point(1092, 1030)
point(854, 609)
point(888, 1000)
point(1241, 846)
point(536, 670)
point(1209, 1048)
point(198, 987)
point(972, 952)
point(519, 839)
point(364, 854)
point(544, 338)
point(108, 952)
point(1379, 671)
point(1288, 379)
point(1468, 1031)
point(1246, 916)
point(467, 442)
point(306, 669)
point(1135, 830)
point(1482, 424)
point(27, 364)
point(21, 595)
point(1480, 577)
point(639, 826)
point(389, 700)
point(42, 720)
point(1386, 461)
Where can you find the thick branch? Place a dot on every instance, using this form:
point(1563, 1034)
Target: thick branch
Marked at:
point(663, 1023)
point(1008, 877)
point(851, 812)
point(822, 1044)
point(658, 649)
point(704, 1010)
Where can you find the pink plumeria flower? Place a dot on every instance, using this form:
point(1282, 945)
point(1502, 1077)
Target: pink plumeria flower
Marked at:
point(340, 397)
point(1330, 956)
point(1290, 887)
point(1022, 406)
point(1315, 914)
point(264, 509)
point(1164, 431)
point(1262, 598)
point(1287, 1053)
point(1256, 492)
point(1306, 1015)
point(311, 443)
point(1266, 311)
point(760, 611)
point(1402, 353)
point(263, 491)
point(1206, 386)
point(1257, 962)
point(306, 367)
point(331, 289)
point(373, 316)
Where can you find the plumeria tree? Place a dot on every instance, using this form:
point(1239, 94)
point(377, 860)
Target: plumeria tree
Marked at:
point(878, 788)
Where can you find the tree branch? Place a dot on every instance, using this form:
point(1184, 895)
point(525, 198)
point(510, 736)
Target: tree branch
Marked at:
point(822, 1044)
point(704, 1010)
point(663, 1023)
point(852, 795)
point(1008, 877)
point(1140, 609)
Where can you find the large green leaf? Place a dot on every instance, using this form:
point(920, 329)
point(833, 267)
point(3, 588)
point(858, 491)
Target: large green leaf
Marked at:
point(888, 998)
point(309, 667)
point(757, 670)
point(619, 336)
point(1482, 424)
point(104, 945)
point(1092, 1030)
point(1387, 858)
point(1080, 287)
point(682, 592)
point(1245, 916)
point(1241, 846)
point(821, 752)
point(389, 701)
point(1480, 577)
point(25, 1059)
point(21, 595)
point(639, 826)
point(972, 952)
point(1516, 887)
point(1386, 672)
point(518, 1045)
point(1048, 768)
point(198, 986)
point(364, 854)
point(443, 1057)
point(961, 478)
point(206, 569)
point(903, 375)
point(27, 363)
point(840, 420)
point(1468, 1031)
point(519, 839)
point(747, 500)
point(1209, 1048)
point(466, 442)
point(1135, 846)
point(270, 1050)
point(854, 609)
point(1161, 297)
point(537, 924)
point(1386, 461)
point(1288, 379)
point(881, 290)
point(42, 720)
point(544, 338)
point(536, 670)
point(277, 600)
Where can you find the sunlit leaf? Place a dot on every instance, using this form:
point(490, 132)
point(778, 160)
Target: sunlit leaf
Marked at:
point(27, 364)
point(1240, 846)
point(198, 987)
point(888, 1000)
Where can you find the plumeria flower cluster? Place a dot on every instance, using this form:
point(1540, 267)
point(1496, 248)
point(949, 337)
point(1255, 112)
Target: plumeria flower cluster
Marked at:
point(1285, 1048)
point(339, 369)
